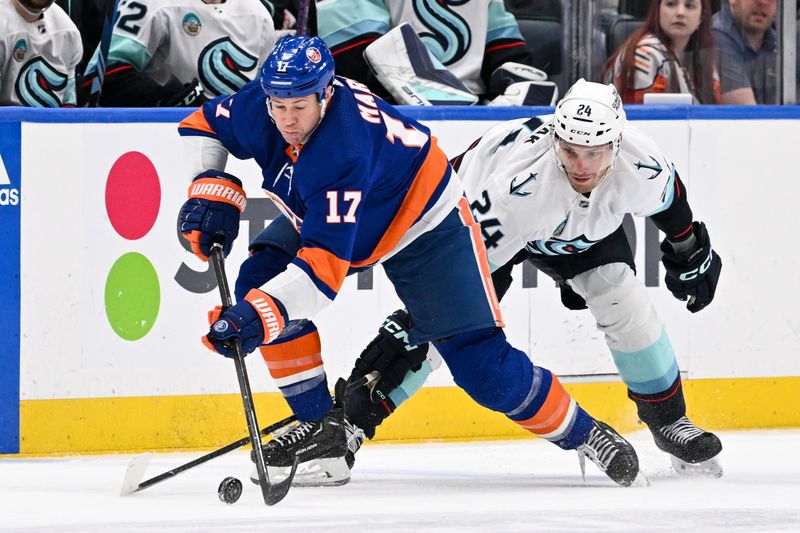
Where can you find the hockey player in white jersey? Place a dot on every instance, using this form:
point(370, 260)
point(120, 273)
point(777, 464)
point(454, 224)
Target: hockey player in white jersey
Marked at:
point(40, 48)
point(182, 52)
point(554, 191)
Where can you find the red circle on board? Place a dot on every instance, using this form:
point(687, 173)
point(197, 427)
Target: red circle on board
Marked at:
point(133, 195)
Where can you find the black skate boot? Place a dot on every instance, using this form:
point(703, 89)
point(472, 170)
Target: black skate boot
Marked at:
point(611, 453)
point(325, 450)
point(693, 451)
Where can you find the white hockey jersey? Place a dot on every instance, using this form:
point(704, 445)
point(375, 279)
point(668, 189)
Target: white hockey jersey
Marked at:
point(222, 45)
point(456, 32)
point(522, 198)
point(38, 59)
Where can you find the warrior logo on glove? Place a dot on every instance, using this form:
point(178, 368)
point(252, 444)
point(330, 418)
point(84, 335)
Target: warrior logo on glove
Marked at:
point(216, 201)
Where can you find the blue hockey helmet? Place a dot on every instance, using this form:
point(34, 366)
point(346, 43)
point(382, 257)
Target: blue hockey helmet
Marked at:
point(298, 66)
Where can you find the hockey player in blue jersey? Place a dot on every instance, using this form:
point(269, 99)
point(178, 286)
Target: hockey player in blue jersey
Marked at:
point(358, 184)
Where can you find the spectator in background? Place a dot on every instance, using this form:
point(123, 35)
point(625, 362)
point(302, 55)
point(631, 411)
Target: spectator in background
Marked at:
point(747, 48)
point(182, 52)
point(472, 38)
point(40, 49)
point(673, 52)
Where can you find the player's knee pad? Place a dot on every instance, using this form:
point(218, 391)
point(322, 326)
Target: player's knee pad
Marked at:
point(620, 305)
point(488, 368)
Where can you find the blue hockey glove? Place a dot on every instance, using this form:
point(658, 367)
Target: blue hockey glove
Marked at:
point(692, 275)
point(256, 320)
point(216, 201)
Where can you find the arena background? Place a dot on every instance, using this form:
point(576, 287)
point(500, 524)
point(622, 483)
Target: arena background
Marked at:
point(102, 308)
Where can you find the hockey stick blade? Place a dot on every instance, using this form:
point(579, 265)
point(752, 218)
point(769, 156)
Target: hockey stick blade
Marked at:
point(132, 482)
point(134, 474)
point(278, 491)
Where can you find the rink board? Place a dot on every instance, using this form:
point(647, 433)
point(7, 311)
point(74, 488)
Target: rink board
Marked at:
point(82, 371)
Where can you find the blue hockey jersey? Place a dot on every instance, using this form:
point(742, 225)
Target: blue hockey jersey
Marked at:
point(365, 184)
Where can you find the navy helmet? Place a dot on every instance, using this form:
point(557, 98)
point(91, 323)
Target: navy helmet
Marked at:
point(298, 66)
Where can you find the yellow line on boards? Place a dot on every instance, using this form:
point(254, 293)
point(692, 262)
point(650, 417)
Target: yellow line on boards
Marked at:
point(175, 423)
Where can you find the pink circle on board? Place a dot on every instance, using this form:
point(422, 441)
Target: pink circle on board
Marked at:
point(133, 195)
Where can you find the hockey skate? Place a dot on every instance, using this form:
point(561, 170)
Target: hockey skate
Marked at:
point(692, 451)
point(611, 453)
point(325, 450)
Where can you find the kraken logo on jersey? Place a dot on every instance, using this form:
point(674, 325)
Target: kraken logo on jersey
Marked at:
point(221, 66)
point(449, 37)
point(559, 247)
point(20, 49)
point(191, 24)
point(38, 82)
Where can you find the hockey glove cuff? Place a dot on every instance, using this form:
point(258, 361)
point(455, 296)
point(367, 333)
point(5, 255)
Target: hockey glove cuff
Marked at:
point(257, 320)
point(692, 274)
point(391, 354)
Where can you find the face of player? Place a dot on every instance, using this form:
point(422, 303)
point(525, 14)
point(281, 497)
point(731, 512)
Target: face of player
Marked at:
point(755, 16)
point(585, 165)
point(679, 19)
point(296, 118)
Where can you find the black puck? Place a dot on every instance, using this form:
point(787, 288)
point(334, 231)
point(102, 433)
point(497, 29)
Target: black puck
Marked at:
point(230, 490)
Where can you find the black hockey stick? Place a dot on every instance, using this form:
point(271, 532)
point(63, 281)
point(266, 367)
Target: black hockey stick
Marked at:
point(301, 26)
point(136, 469)
point(109, 21)
point(135, 472)
point(272, 492)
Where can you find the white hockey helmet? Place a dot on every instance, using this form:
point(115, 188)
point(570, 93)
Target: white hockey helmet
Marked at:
point(590, 114)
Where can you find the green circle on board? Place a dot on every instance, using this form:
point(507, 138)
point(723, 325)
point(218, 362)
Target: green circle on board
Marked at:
point(133, 296)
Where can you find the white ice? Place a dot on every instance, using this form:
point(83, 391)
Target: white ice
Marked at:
point(523, 485)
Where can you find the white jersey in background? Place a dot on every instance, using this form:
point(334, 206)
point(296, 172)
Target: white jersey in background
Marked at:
point(222, 45)
point(522, 198)
point(38, 59)
point(456, 33)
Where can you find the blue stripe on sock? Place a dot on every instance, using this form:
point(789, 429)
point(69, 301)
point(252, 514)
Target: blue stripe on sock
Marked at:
point(313, 402)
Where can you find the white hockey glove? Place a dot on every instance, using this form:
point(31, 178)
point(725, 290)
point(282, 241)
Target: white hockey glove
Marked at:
point(411, 74)
point(519, 84)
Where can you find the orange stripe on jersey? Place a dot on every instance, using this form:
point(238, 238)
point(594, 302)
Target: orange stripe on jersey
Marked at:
point(292, 357)
point(425, 182)
point(481, 257)
point(326, 266)
point(637, 97)
point(552, 412)
point(197, 121)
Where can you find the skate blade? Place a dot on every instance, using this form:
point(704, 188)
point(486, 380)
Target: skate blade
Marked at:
point(317, 473)
point(710, 468)
point(641, 480)
point(322, 473)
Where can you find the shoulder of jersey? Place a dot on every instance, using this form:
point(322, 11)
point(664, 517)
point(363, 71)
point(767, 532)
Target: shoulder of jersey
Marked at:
point(637, 152)
point(6, 13)
point(61, 19)
point(650, 48)
point(518, 131)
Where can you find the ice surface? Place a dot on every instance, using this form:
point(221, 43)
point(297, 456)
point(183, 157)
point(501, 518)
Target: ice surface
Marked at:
point(523, 485)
